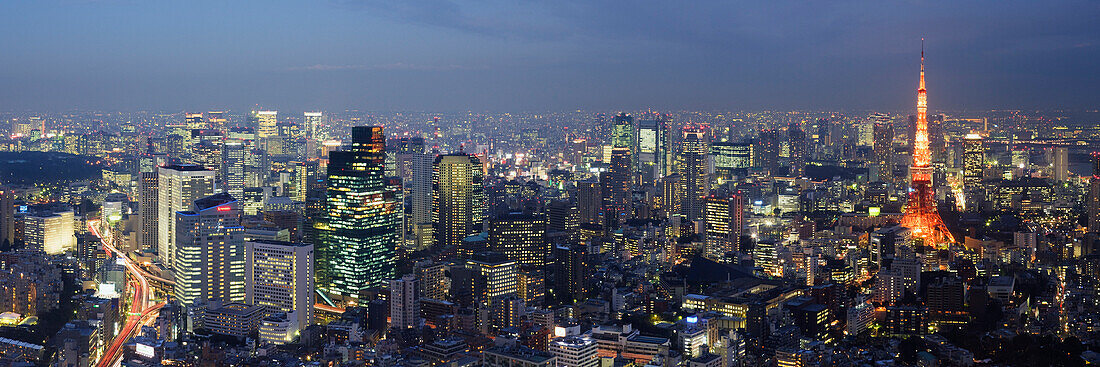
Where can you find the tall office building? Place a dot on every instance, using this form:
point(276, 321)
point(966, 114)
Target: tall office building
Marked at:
point(590, 202)
point(520, 237)
point(420, 198)
point(729, 157)
point(195, 121)
point(279, 277)
point(796, 141)
point(7, 218)
point(725, 221)
point(768, 158)
point(209, 263)
point(404, 302)
point(266, 123)
point(147, 195)
point(314, 123)
point(364, 217)
point(49, 230)
point(883, 151)
point(1094, 195)
point(234, 159)
point(1061, 164)
point(458, 200)
point(694, 178)
point(973, 161)
point(615, 187)
point(652, 149)
point(178, 186)
point(622, 131)
point(571, 272)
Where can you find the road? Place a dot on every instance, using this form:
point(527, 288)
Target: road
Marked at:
point(141, 310)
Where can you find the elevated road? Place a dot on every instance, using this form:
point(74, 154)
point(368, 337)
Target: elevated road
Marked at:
point(141, 310)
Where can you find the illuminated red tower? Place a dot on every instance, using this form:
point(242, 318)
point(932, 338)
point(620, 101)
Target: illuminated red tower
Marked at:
point(920, 212)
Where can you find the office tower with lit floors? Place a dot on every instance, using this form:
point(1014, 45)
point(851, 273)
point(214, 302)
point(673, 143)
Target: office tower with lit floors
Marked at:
point(458, 201)
point(724, 215)
point(768, 157)
point(279, 277)
point(520, 237)
point(363, 218)
point(883, 151)
point(694, 176)
point(615, 188)
point(209, 263)
point(921, 214)
point(178, 186)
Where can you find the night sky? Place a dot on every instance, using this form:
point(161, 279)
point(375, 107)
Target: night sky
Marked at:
point(440, 55)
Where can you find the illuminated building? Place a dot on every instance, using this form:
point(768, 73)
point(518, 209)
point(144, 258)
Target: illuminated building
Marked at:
point(314, 122)
point(973, 161)
point(725, 217)
point(575, 351)
point(266, 123)
point(796, 142)
point(921, 213)
point(652, 150)
point(147, 195)
point(420, 198)
point(1094, 195)
point(234, 156)
point(694, 178)
point(364, 217)
point(520, 237)
point(622, 131)
point(195, 121)
point(590, 202)
point(210, 254)
point(883, 151)
point(233, 319)
point(279, 277)
point(404, 302)
point(615, 187)
point(178, 186)
point(458, 200)
point(1061, 164)
point(49, 230)
point(729, 157)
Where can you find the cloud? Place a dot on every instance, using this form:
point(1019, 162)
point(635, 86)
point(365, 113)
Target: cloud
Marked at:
point(387, 67)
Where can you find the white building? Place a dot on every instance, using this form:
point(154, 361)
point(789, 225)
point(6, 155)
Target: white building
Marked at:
point(50, 231)
point(178, 186)
point(575, 351)
point(404, 302)
point(279, 277)
point(210, 254)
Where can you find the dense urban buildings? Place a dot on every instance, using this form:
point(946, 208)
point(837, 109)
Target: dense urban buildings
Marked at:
point(581, 237)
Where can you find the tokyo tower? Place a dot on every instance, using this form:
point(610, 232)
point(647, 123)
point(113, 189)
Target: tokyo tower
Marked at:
point(921, 215)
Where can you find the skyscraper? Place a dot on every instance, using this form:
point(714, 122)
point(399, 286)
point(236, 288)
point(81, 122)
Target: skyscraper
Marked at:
point(458, 200)
point(590, 202)
point(267, 124)
point(234, 156)
point(694, 178)
point(615, 188)
point(1094, 195)
point(973, 161)
point(209, 263)
point(520, 237)
point(571, 272)
point(420, 198)
point(652, 149)
point(729, 157)
point(148, 196)
point(796, 140)
point(364, 217)
point(279, 277)
point(1061, 163)
point(314, 122)
point(7, 218)
point(725, 220)
point(178, 186)
point(921, 214)
point(622, 131)
point(883, 151)
point(769, 151)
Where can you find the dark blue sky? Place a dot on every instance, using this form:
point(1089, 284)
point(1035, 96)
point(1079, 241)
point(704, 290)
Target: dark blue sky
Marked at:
point(550, 54)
